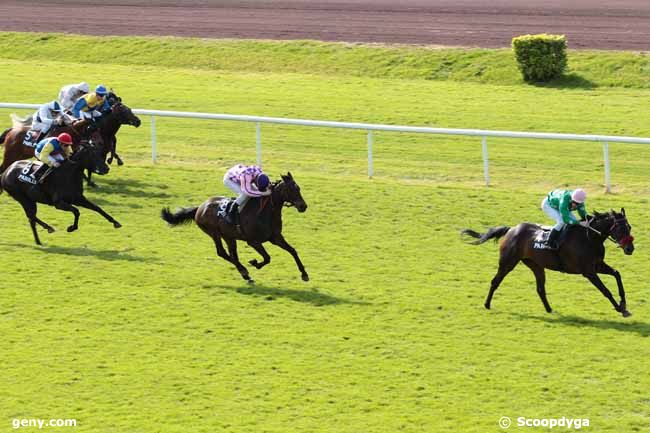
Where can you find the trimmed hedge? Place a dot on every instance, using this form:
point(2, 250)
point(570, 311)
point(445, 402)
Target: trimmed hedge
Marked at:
point(540, 58)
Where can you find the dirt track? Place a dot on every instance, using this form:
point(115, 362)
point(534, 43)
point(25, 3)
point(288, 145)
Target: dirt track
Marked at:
point(605, 24)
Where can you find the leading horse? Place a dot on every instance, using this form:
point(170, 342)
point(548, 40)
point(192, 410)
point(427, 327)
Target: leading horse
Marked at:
point(582, 252)
point(261, 221)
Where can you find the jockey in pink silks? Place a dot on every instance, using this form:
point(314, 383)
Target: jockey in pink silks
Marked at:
point(246, 182)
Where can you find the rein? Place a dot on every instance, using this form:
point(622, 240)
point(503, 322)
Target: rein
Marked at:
point(626, 240)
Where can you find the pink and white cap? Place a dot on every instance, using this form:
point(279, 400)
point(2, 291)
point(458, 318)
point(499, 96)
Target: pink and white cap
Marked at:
point(579, 195)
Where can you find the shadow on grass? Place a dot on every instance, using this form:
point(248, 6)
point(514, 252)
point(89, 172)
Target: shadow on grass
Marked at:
point(109, 255)
point(312, 296)
point(128, 187)
point(624, 325)
point(568, 81)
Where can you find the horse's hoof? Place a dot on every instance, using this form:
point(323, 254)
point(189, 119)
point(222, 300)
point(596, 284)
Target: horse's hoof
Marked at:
point(109, 161)
point(487, 306)
point(92, 184)
point(626, 313)
point(117, 225)
point(305, 277)
point(72, 228)
point(250, 282)
point(120, 162)
point(50, 230)
point(253, 262)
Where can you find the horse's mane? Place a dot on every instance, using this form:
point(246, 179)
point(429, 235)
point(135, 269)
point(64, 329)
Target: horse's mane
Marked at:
point(19, 122)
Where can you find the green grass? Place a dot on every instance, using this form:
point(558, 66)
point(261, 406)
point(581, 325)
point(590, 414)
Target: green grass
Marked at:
point(144, 329)
point(587, 68)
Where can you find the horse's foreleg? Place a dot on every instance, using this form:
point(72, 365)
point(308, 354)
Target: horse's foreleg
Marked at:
point(260, 249)
point(540, 279)
point(89, 182)
point(505, 266)
point(604, 268)
point(234, 259)
point(595, 280)
point(61, 205)
point(84, 202)
point(282, 243)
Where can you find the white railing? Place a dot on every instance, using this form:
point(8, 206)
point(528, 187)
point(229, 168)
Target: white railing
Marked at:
point(370, 127)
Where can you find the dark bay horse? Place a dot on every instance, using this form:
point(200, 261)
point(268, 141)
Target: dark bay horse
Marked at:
point(62, 189)
point(108, 126)
point(13, 138)
point(582, 252)
point(261, 221)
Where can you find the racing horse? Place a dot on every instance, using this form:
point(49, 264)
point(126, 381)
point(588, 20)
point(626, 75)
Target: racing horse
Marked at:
point(62, 189)
point(260, 221)
point(581, 252)
point(16, 150)
point(109, 124)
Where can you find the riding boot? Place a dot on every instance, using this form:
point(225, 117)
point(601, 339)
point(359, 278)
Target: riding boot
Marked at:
point(45, 175)
point(40, 171)
point(232, 215)
point(553, 239)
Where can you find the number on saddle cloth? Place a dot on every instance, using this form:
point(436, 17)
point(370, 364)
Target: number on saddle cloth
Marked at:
point(31, 138)
point(27, 174)
point(224, 206)
point(540, 241)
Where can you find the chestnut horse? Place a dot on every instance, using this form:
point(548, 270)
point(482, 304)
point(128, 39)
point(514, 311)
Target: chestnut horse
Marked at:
point(581, 252)
point(13, 138)
point(261, 221)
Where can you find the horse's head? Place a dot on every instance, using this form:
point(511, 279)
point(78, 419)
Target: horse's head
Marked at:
point(615, 225)
point(124, 115)
point(290, 192)
point(89, 155)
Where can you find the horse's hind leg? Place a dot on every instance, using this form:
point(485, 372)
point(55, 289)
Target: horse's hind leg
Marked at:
point(30, 211)
point(234, 259)
point(505, 266)
point(540, 278)
point(260, 249)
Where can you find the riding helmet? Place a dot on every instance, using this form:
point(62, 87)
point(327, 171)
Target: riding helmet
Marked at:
point(64, 138)
point(262, 182)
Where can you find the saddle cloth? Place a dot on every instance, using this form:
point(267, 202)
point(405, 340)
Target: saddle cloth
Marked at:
point(31, 138)
point(27, 174)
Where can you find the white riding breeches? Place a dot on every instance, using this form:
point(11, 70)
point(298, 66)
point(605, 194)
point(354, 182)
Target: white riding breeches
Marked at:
point(553, 213)
point(234, 186)
point(54, 160)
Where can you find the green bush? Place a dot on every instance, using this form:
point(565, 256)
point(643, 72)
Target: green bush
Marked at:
point(540, 58)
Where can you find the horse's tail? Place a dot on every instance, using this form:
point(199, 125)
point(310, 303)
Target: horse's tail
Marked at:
point(20, 122)
point(4, 135)
point(493, 233)
point(182, 216)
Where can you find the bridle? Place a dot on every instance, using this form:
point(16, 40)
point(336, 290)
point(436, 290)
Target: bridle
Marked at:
point(624, 241)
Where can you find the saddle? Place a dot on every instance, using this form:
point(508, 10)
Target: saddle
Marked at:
point(31, 138)
point(540, 242)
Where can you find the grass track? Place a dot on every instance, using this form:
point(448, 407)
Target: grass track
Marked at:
point(143, 329)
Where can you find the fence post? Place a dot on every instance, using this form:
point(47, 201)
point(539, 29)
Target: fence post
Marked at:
point(153, 139)
point(370, 169)
point(258, 140)
point(486, 170)
point(608, 181)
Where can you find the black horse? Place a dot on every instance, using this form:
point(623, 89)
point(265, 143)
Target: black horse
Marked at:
point(261, 221)
point(581, 252)
point(108, 125)
point(62, 189)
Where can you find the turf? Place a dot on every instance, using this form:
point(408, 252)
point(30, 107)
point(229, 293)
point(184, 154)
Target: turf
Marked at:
point(144, 329)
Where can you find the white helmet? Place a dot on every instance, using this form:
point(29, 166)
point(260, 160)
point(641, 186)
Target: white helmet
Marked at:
point(84, 87)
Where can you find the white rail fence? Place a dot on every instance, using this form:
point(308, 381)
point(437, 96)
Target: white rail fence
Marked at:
point(370, 128)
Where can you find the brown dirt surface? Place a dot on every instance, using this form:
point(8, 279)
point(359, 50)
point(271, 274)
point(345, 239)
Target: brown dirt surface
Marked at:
point(598, 24)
